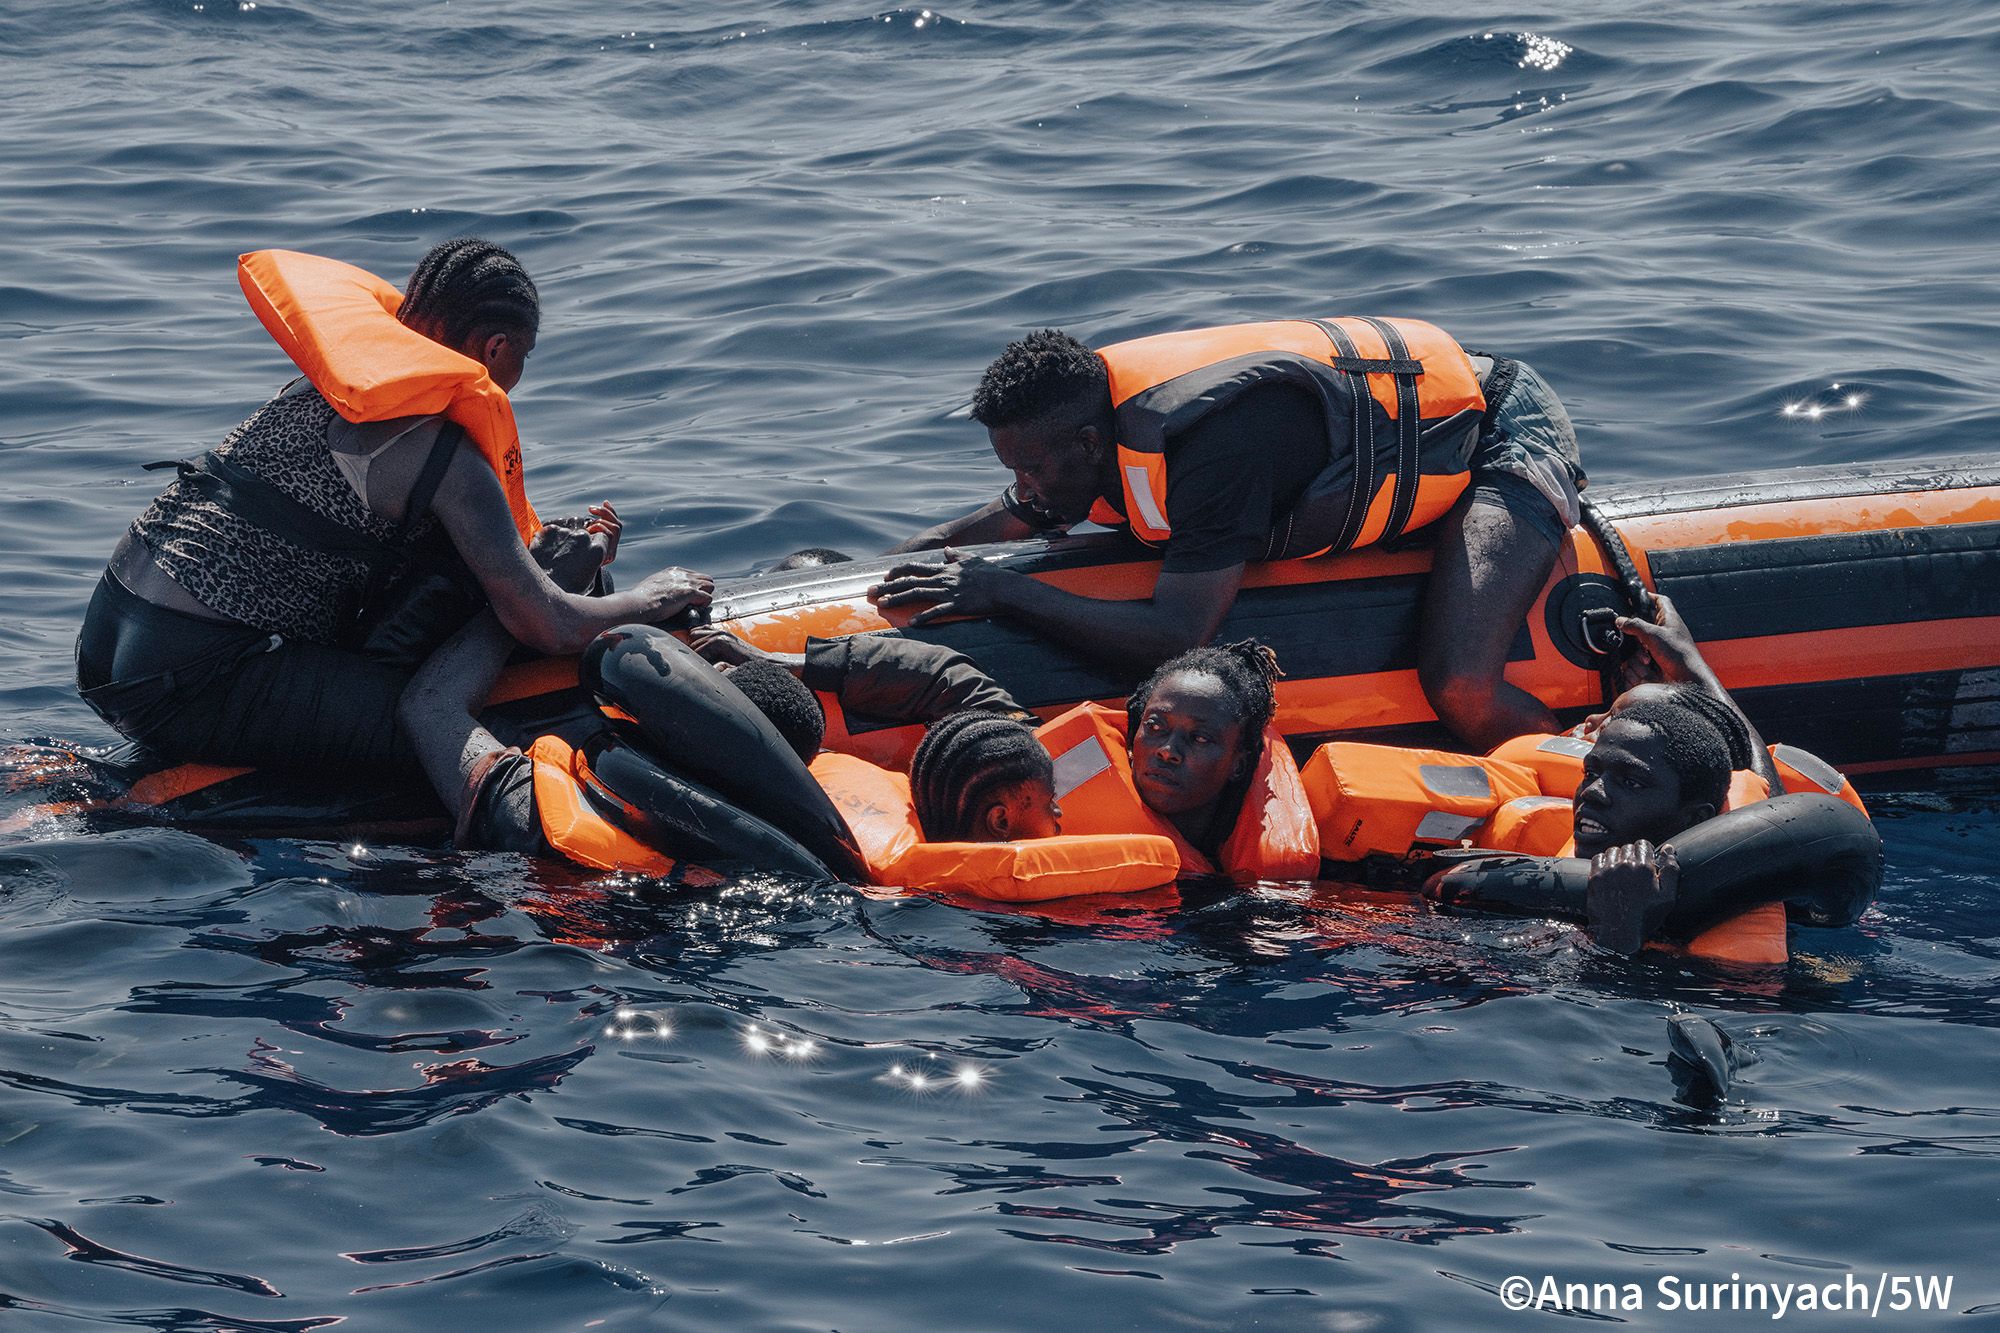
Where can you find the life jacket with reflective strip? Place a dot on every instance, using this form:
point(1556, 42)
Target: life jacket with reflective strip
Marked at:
point(877, 806)
point(1803, 771)
point(338, 324)
point(1387, 800)
point(1401, 400)
point(1274, 837)
point(571, 823)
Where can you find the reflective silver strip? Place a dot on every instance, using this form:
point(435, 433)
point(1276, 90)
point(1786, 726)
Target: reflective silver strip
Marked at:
point(1443, 826)
point(1535, 802)
point(1810, 767)
point(1456, 780)
point(1079, 764)
point(1139, 486)
point(1568, 745)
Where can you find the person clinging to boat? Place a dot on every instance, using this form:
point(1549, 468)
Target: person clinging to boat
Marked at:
point(1272, 441)
point(1674, 763)
point(226, 627)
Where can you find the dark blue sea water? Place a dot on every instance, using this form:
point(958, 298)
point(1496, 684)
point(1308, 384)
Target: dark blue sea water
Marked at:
point(279, 1085)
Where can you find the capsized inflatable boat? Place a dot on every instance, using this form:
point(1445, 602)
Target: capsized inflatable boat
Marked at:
point(1853, 610)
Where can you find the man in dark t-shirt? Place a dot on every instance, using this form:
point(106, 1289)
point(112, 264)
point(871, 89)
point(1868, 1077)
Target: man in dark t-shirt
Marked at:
point(1232, 478)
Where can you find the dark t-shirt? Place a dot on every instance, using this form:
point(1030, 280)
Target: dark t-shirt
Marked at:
point(1237, 473)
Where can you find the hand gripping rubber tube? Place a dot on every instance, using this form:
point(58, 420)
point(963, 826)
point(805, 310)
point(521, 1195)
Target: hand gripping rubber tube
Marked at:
point(1818, 855)
point(682, 817)
point(689, 717)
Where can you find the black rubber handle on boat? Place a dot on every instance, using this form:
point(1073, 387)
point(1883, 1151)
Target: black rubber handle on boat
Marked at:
point(1819, 856)
point(1615, 551)
point(691, 720)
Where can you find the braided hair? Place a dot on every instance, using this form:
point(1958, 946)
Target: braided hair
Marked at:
point(1247, 669)
point(1696, 750)
point(1725, 719)
point(469, 287)
point(964, 764)
point(1040, 377)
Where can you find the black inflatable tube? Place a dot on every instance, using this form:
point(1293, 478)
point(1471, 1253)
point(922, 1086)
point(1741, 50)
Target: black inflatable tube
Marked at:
point(698, 725)
point(682, 817)
point(1818, 855)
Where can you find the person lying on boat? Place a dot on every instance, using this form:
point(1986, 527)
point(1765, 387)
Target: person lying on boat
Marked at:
point(1272, 441)
point(490, 788)
point(884, 677)
point(224, 629)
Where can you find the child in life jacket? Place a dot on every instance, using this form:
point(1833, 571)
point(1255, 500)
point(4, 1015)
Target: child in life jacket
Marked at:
point(983, 777)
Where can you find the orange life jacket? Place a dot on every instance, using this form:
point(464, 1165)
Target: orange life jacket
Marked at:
point(1275, 837)
point(1803, 771)
point(1385, 800)
point(569, 823)
point(876, 804)
point(1402, 404)
point(338, 324)
point(1388, 800)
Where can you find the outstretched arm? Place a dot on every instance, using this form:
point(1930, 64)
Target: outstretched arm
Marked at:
point(1184, 611)
point(545, 617)
point(1671, 646)
point(1000, 519)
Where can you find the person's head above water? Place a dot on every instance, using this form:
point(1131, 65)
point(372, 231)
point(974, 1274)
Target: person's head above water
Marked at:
point(791, 707)
point(475, 298)
point(1724, 718)
point(1197, 725)
point(813, 557)
point(1046, 405)
point(1657, 769)
point(983, 777)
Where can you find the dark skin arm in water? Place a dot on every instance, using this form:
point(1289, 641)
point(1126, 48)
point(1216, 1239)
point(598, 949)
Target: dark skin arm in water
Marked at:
point(473, 509)
point(1184, 611)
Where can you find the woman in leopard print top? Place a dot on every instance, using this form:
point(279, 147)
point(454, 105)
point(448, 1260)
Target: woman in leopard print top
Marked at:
point(224, 629)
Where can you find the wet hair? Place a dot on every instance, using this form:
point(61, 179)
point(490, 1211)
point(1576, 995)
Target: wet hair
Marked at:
point(1726, 720)
point(812, 558)
point(1046, 376)
point(965, 763)
point(780, 696)
point(1247, 669)
point(467, 287)
point(1696, 750)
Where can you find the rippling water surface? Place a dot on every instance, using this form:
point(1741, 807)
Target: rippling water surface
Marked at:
point(280, 1084)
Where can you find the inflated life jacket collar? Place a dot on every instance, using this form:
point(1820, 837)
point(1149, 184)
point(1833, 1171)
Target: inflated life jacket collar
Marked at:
point(338, 324)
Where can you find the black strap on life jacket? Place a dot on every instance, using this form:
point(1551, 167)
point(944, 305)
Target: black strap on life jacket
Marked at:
point(1349, 362)
point(1409, 416)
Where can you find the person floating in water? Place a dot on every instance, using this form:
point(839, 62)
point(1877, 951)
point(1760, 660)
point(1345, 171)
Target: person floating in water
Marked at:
point(225, 628)
point(1272, 441)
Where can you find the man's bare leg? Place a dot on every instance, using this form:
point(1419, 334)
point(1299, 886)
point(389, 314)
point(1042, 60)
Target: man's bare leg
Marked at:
point(1488, 568)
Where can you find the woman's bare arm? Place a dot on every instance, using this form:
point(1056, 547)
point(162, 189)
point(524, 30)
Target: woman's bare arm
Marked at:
point(474, 512)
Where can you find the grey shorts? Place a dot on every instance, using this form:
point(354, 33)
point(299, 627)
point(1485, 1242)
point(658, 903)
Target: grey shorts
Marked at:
point(1526, 461)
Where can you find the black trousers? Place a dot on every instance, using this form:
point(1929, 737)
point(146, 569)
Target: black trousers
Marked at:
point(191, 689)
